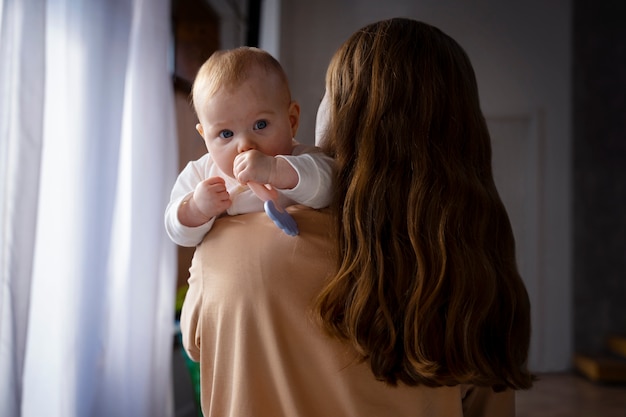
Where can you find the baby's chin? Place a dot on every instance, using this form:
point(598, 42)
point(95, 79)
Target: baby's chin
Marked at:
point(226, 171)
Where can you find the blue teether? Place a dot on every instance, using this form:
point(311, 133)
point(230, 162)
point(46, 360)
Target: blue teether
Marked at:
point(282, 219)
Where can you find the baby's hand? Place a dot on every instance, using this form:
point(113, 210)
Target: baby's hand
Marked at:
point(211, 197)
point(254, 166)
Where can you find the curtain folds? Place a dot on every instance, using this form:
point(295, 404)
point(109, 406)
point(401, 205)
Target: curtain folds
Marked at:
point(21, 125)
point(88, 157)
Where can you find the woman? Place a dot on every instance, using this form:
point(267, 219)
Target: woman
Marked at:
point(402, 298)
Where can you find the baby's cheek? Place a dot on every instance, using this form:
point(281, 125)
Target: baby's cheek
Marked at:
point(225, 164)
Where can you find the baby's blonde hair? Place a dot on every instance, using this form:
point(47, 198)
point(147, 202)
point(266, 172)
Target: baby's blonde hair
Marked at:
point(229, 68)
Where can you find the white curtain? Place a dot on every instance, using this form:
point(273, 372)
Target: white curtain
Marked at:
point(87, 160)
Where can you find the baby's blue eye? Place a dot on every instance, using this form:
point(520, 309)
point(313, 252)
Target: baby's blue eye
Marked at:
point(225, 134)
point(261, 124)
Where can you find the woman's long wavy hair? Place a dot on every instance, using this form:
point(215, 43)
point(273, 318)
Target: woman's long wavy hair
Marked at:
point(427, 288)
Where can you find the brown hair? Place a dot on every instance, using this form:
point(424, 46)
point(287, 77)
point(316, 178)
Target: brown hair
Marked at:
point(427, 288)
point(229, 68)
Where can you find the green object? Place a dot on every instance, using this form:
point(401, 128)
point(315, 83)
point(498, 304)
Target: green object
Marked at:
point(194, 372)
point(180, 298)
point(192, 366)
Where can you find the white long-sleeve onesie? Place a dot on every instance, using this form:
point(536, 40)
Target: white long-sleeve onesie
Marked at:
point(314, 170)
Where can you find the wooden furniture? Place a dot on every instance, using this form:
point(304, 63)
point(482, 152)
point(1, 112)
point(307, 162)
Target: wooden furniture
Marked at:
point(196, 37)
point(610, 367)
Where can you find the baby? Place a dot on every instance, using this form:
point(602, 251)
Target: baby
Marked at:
point(248, 122)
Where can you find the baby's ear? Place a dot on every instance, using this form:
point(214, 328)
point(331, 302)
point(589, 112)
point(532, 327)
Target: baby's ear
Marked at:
point(199, 129)
point(294, 117)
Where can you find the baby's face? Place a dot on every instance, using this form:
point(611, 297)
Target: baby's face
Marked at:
point(321, 121)
point(254, 115)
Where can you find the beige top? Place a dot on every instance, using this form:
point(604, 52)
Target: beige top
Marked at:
point(246, 319)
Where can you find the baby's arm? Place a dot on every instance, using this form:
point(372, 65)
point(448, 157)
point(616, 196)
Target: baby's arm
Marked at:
point(304, 176)
point(257, 167)
point(185, 231)
point(314, 170)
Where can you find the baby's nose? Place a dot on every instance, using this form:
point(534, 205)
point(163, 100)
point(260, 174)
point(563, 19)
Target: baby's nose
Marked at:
point(246, 143)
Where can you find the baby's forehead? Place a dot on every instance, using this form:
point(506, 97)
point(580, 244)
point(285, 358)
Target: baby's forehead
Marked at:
point(242, 103)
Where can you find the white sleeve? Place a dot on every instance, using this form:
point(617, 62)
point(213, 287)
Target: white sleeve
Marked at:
point(314, 170)
point(185, 185)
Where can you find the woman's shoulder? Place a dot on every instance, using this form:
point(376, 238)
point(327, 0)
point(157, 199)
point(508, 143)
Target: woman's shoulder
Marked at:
point(258, 227)
point(255, 243)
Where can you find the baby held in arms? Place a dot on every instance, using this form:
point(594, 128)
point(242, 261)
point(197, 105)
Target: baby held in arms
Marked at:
point(248, 121)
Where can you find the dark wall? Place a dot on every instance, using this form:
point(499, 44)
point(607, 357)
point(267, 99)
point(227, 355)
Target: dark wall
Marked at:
point(599, 164)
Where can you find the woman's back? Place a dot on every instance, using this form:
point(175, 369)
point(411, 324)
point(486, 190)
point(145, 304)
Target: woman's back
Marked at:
point(248, 319)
